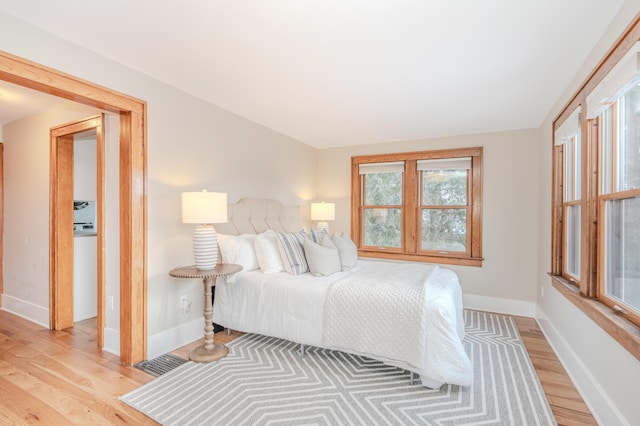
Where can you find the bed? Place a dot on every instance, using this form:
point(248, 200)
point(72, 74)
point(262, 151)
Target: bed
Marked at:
point(405, 314)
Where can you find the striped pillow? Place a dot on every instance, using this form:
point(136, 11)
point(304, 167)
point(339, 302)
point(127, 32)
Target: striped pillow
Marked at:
point(290, 245)
point(313, 235)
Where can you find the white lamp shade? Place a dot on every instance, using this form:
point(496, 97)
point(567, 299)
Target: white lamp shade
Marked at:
point(323, 211)
point(204, 207)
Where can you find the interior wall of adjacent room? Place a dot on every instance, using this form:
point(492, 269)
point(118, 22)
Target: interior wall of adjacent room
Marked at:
point(510, 207)
point(192, 145)
point(606, 374)
point(85, 254)
point(26, 227)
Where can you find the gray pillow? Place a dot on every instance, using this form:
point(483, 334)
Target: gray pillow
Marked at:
point(347, 251)
point(323, 258)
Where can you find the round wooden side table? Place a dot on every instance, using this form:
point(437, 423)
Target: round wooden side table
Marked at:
point(209, 351)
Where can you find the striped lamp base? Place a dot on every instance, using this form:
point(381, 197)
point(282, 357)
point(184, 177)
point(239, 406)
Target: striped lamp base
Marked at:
point(205, 247)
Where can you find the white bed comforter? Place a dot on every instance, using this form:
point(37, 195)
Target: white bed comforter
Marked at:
point(407, 315)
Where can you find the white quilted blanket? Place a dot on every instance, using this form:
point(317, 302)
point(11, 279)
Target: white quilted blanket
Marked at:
point(394, 312)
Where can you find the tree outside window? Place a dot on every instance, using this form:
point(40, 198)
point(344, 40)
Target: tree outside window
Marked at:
point(422, 206)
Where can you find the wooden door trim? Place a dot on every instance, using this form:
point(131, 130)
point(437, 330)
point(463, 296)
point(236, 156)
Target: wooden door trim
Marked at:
point(61, 231)
point(1, 221)
point(61, 300)
point(133, 186)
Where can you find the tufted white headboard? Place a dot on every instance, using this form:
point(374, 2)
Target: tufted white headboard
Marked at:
point(256, 215)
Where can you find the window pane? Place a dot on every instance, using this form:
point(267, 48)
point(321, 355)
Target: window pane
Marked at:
point(629, 150)
point(577, 149)
point(568, 171)
point(572, 234)
point(382, 227)
point(444, 229)
point(606, 154)
point(444, 187)
point(622, 248)
point(383, 189)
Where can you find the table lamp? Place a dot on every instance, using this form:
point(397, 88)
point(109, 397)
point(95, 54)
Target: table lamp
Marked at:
point(323, 212)
point(204, 208)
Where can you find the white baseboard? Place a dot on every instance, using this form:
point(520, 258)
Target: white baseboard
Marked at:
point(111, 341)
point(499, 305)
point(602, 408)
point(173, 338)
point(25, 309)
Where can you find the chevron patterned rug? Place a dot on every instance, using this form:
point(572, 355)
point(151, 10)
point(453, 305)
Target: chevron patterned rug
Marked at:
point(264, 381)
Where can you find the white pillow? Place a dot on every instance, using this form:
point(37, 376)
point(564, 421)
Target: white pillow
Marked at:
point(292, 251)
point(238, 249)
point(323, 258)
point(267, 252)
point(347, 251)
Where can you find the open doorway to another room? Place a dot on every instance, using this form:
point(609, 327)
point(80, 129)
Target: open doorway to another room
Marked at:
point(131, 331)
point(85, 231)
point(77, 243)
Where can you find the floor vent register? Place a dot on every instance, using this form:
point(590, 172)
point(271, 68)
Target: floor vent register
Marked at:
point(160, 365)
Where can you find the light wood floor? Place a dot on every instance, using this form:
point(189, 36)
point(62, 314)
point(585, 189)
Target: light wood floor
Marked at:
point(60, 377)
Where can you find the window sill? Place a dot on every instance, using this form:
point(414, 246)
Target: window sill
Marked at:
point(618, 327)
point(462, 261)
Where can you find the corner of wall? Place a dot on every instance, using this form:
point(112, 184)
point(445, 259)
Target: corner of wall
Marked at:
point(499, 305)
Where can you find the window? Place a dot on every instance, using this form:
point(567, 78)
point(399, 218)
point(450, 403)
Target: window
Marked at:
point(618, 199)
point(421, 206)
point(567, 138)
point(596, 198)
point(443, 204)
point(382, 206)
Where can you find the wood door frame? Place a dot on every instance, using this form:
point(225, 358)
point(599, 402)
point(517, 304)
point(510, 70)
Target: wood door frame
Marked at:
point(133, 186)
point(61, 239)
point(1, 221)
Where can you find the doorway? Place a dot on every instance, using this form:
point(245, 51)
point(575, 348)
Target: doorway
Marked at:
point(61, 214)
point(132, 185)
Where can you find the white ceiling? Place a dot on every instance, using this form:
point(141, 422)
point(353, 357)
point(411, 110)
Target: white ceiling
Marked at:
point(18, 102)
point(345, 72)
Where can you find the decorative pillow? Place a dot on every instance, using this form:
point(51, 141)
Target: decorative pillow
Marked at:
point(314, 236)
point(323, 258)
point(238, 249)
point(269, 259)
point(292, 252)
point(347, 251)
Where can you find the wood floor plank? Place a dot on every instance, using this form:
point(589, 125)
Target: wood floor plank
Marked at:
point(566, 403)
point(71, 408)
point(26, 407)
point(47, 378)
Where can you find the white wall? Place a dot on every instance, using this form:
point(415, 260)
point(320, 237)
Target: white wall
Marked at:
point(506, 282)
point(85, 277)
point(606, 374)
point(84, 168)
point(192, 145)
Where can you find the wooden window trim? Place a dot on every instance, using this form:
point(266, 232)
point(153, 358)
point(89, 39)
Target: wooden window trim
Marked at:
point(410, 250)
point(620, 328)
